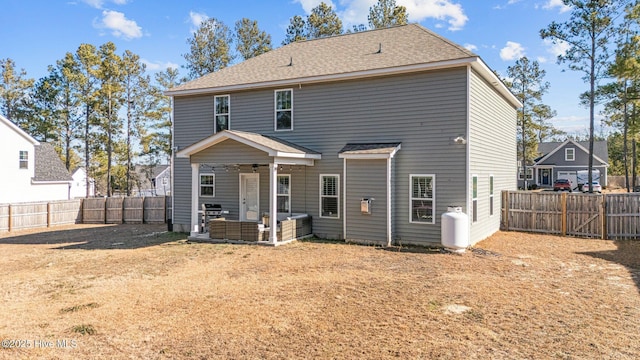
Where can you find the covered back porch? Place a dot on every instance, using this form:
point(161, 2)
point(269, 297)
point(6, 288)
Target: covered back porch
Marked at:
point(250, 177)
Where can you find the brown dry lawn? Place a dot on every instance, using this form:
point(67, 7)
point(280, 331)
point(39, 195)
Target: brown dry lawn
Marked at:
point(135, 292)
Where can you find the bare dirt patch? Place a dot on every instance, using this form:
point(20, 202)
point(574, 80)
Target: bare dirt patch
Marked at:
point(138, 292)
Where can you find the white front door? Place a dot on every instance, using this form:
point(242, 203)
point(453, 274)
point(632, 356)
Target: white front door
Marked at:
point(249, 197)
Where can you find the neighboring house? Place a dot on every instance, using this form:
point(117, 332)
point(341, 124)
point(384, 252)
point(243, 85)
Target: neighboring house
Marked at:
point(563, 160)
point(400, 117)
point(79, 185)
point(32, 171)
point(151, 180)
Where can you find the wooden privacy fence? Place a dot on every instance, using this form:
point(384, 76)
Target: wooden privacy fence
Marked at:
point(605, 216)
point(39, 214)
point(130, 210)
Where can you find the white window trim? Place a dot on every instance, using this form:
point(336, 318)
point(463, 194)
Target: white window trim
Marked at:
point(337, 196)
point(212, 185)
point(275, 109)
point(474, 212)
point(529, 170)
point(492, 190)
point(21, 160)
point(215, 115)
point(288, 195)
point(433, 199)
point(567, 151)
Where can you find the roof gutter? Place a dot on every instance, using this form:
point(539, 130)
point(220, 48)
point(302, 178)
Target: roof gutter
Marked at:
point(475, 62)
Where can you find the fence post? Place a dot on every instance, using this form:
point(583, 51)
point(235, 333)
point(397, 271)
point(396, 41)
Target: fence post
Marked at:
point(603, 214)
point(10, 218)
point(533, 197)
point(563, 209)
point(143, 209)
point(505, 209)
point(48, 214)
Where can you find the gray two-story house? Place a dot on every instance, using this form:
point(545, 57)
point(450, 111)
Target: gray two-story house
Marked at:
point(568, 159)
point(373, 135)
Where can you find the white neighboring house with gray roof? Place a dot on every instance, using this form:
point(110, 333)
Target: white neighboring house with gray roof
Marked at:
point(32, 171)
point(401, 117)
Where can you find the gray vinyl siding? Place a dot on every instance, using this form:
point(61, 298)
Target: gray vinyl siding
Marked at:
point(366, 179)
point(492, 151)
point(423, 111)
point(195, 122)
point(581, 158)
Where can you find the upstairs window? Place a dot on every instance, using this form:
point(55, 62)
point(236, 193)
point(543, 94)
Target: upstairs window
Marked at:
point(284, 109)
point(569, 154)
point(24, 160)
point(221, 113)
point(329, 196)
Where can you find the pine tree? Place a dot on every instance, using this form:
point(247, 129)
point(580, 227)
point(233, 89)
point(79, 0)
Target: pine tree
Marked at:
point(110, 100)
point(136, 97)
point(588, 34)
point(528, 85)
point(250, 40)
point(84, 80)
point(386, 14)
point(322, 22)
point(209, 48)
point(15, 90)
point(295, 31)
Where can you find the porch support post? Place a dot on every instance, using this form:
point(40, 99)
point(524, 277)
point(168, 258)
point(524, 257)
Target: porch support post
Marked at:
point(273, 202)
point(195, 184)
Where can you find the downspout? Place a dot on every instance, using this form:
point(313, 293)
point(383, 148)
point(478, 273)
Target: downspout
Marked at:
point(344, 199)
point(389, 212)
point(468, 155)
point(171, 165)
point(195, 182)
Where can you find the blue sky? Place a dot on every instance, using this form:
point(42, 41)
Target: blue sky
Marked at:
point(36, 33)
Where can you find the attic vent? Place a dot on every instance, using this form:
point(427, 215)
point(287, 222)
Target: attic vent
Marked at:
point(379, 49)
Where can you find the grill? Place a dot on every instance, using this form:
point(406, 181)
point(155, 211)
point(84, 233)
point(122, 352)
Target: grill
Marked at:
point(212, 210)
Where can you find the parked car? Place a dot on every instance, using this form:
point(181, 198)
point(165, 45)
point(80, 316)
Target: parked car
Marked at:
point(596, 187)
point(562, 184)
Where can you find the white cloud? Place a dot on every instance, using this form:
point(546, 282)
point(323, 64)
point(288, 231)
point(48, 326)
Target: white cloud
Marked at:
point(557, 49)
point(510, 2)
point(470, 47)
point(119, 25)
point(356, 11)
point(512, 51)
point(158, 65)
point(99, 3)
point(552, 4)
point(542, 59)
point(197, 18)
point(444, 10)
point(308, 5)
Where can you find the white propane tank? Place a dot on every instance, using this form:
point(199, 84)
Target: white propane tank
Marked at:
point(455, 229)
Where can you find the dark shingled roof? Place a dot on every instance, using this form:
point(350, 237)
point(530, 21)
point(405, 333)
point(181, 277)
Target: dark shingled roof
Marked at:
point(370, 148)
point(48, 166)
point(343, 54)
